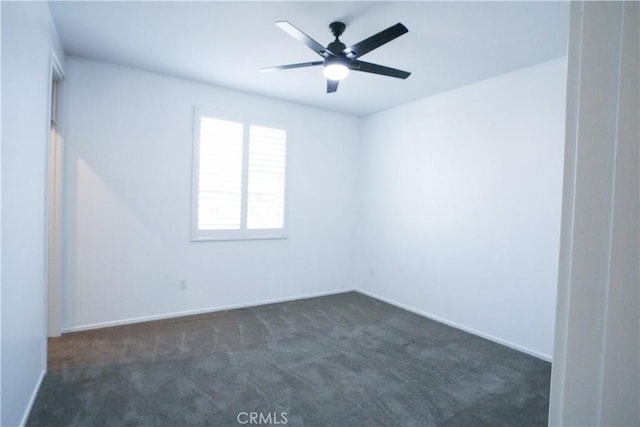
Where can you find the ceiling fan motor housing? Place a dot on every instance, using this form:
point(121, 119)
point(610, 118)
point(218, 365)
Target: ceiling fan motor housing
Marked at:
point(336, 47)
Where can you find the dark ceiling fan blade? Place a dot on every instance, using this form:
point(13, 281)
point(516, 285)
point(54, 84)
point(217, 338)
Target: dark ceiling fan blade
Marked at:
point(287, 67)
point(332, 85)
point(288, 28)
point(375, 41)
point(368, 67)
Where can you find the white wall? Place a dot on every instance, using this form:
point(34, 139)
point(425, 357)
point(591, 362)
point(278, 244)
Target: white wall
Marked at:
point(461, 205)
point(127, 202)
point(28, 37)
point(0, 226)
point(596, 372)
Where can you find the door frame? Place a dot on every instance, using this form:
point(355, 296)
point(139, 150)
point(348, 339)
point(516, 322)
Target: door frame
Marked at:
point(53, 292)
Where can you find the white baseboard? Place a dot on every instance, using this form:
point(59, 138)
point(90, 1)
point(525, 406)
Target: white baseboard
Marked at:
point(198, 311)
point(132, 320)
point(528, 351)
point(32, 400)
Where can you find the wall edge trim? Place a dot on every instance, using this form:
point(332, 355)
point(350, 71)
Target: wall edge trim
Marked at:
point(32, 399)
point(472, 331)
point(171, 315)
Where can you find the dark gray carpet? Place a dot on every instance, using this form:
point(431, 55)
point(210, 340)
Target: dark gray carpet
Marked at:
point(342, 360)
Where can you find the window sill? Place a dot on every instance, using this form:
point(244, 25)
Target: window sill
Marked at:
point(235, 238)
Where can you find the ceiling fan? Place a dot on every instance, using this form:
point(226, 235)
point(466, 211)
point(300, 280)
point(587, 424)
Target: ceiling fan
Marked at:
point(338, 59)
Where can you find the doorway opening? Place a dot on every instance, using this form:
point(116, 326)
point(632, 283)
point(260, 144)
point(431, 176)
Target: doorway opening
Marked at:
point(54, 201)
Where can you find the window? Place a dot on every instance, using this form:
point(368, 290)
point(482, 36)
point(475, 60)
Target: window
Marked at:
point(239, 179)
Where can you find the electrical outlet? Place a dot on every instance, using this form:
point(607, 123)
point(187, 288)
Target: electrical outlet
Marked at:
point(182, 284)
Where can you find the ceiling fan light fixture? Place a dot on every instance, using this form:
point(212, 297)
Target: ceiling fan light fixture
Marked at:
point(335, 71)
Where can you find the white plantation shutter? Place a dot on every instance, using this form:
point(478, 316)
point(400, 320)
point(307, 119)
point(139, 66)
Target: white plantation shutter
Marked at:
point(267, 159)
point(220, 174)
point(239, 180)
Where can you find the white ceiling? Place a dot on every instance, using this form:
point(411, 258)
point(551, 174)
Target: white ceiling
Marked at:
point(449, 44)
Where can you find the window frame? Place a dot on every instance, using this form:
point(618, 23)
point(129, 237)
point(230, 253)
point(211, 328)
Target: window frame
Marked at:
point(198, 235)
